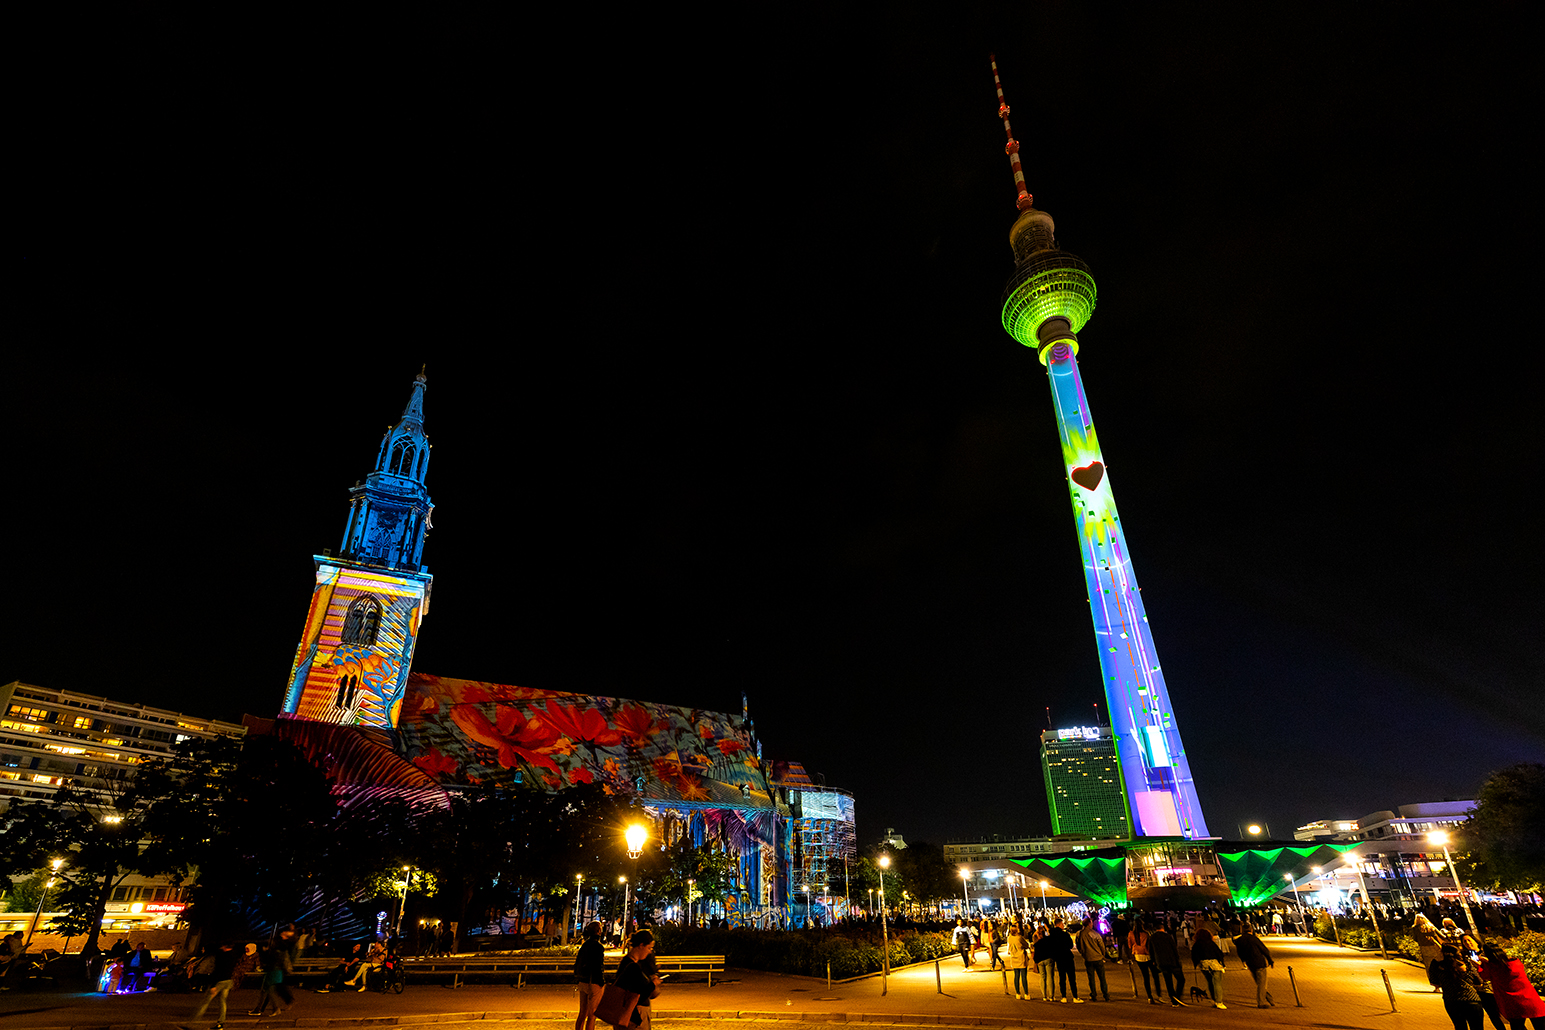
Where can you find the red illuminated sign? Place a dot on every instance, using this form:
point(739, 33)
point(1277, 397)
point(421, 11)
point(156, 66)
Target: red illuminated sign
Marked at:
point(164, 906)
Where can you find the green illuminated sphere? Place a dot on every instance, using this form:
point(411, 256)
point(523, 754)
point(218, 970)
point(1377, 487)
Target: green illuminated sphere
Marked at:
point(1047, 283)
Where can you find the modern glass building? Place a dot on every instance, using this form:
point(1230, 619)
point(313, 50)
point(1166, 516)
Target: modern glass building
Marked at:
point(1083, 783)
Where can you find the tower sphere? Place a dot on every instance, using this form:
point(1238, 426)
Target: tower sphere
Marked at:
point(1051, 294)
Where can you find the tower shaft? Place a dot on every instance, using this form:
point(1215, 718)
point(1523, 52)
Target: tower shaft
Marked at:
point(1153, 759)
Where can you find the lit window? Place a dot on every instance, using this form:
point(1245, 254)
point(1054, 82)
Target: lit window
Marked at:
point(363, 621)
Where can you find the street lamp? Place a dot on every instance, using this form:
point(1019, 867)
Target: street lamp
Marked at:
point(965, 877)
point(1301, 917)
point(691, 883)
point(579, 901)
point(635, 835)
point(42, 897)
point(885, 930)
point(1043, 896)
point(407, 876)
point(1357, 867)
point(1441, 838)
point(1333, 928)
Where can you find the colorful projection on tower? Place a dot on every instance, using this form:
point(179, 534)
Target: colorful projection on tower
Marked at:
point(1153, 760)
point(353, 660)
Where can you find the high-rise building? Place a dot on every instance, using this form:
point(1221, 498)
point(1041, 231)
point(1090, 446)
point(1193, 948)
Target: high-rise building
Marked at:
point(356, 651)
point(1083, 783)
point(55, 738)
point(1047, 301)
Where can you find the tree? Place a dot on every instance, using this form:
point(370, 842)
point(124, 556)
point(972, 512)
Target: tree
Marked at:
point(25, 894)
point(1503, 840)
point(929, 878)
point(709, 873)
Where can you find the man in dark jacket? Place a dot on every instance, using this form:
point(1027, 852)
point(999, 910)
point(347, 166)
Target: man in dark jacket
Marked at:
point(1166, 956)
point(226, 960)
point(1062, 955)
point(1256, 957)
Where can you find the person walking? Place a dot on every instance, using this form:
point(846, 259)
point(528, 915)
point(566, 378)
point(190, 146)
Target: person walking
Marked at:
point(276, 965)
point(590, 971)
point(636, 974)
point(992, 939)
point(1257, 958)
point(962, 942)
point(227, 960)
point(1460, 984)
point(1206, 955)
point(1166, 956)
point(1062, 957)
point(1516, 997)
point(1091, 945)
point(1137, 944)
point(1019, 962)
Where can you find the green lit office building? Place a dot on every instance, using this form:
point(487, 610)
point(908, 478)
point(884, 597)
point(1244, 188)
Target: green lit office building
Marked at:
point(1083, 783)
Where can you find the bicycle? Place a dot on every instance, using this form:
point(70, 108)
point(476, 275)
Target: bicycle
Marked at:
point(393, 979)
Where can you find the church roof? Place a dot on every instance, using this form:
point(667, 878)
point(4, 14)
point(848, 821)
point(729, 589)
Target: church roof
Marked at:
point(474, 733)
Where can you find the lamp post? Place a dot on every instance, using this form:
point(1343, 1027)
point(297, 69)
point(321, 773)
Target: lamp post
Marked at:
point(1301, 917)
point(1439, 837)
point(965, 877)
point(42, 897)
point(635, 835)
point(885, 930)
point(1357, 867)
point(624, 881)
point(1043, 896)
point(579, 901)
point(1318, 875)
point(407, 877)
point(691, 883)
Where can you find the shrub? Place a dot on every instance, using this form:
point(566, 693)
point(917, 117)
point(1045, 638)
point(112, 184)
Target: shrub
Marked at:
point(1528, 947)
point(850, 952)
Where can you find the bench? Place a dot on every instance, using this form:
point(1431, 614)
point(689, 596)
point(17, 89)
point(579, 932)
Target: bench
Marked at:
point(520, 966)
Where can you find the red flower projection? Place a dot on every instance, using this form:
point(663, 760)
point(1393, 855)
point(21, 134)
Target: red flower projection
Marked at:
point(636, 724)
point(581, 725)
point(728, 746)
point(669, 772)
point(581, 775)
point(435, 764)
point(514, 737)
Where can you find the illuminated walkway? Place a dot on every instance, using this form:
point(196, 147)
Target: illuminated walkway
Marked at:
point(1339, 989)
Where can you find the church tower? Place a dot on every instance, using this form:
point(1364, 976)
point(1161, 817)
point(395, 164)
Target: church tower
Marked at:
point(354, 657)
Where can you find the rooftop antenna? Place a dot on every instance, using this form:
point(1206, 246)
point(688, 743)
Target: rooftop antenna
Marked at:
point(1025, 200)
point(1048, 716)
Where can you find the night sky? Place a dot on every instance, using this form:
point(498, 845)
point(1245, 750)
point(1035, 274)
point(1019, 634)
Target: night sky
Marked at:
point(720, 401)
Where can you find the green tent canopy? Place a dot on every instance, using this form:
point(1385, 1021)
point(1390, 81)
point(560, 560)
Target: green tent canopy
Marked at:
point(1255, 874)
point(1100, 876)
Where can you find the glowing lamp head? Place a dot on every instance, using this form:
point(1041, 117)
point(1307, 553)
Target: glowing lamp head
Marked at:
point(636, 835)
point(885, 861)
point(1438, 837)
point(965, 874)
point(1254, 830)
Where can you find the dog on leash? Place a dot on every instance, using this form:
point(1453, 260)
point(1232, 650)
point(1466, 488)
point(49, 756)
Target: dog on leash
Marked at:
point(1197, 992)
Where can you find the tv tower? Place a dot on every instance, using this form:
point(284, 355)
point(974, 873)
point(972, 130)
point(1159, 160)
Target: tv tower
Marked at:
point(1047, 301)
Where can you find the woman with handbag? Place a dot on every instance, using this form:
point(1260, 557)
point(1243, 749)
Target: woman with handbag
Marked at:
point(625, 1004)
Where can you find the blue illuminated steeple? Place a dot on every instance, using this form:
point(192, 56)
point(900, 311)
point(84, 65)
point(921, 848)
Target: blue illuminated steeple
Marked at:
point(389, 515)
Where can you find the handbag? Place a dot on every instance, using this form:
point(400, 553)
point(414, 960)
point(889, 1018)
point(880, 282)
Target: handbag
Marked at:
point(616, 1006)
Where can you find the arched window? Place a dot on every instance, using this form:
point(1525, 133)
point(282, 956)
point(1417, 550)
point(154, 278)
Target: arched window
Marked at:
point(363, 621)
point(396, 465)
point(423, 459)
point(407, 461)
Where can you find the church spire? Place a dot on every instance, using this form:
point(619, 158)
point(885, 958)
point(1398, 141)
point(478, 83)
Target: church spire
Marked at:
point(389, 515)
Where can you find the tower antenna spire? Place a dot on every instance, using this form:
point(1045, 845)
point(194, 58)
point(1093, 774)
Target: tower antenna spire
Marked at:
point(1012, 147)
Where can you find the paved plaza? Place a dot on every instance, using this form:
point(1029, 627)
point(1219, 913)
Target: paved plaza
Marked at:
point(1340, 990)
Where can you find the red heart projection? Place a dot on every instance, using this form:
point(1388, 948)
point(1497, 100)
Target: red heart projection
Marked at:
point(1089, 476)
